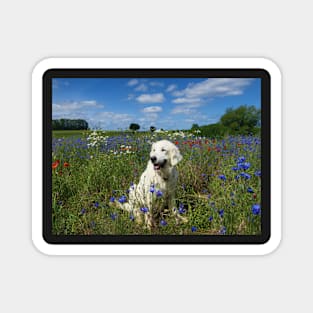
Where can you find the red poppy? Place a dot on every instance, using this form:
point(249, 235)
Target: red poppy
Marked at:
point(254, 196)
point(209, 149)
point(55, 164)
point(176, 142)
point(66, 164)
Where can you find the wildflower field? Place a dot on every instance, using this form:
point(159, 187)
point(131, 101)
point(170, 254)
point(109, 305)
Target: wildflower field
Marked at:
point(218, 191)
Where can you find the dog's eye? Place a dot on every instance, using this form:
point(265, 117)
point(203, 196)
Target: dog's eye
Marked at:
point(163, 150)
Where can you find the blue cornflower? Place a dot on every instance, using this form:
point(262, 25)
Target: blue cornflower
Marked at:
point(223, 230)
point(181, 209)
point(83, 211)
point(237, 177)
point(113, 216)
point(152, 189)
point(235, 168)
point(245, 175)
point(257, 173)
point(131, 217)
point(222, 177)
point(241, 159)
point(193, 228)
point(132, 186)
point(163, 223)
point(112, 199)
point(159, 193)
point(245, 165)
point(144, 210)
point(250, 190)
point(122, 199)
point(256, 209)
point(221, 213)
point(92, 224)
point(96, 204)
point(210, 218)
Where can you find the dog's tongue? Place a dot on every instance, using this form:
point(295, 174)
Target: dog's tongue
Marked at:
point(156, 166)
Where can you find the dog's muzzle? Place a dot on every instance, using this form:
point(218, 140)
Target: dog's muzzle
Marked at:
point(157, 165)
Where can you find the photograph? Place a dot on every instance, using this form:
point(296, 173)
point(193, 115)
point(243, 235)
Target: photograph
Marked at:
point(156, 156)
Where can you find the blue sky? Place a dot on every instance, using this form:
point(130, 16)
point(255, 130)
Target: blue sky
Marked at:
point(168, 103)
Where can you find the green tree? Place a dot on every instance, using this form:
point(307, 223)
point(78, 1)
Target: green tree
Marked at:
point(242, 120)
point(134, 126)
point(195, 126)
point(213, 130)
point(152, 129)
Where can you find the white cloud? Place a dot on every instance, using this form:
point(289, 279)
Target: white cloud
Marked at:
point(119, 117)
point(197, 94)
point(178, 93)
point(151, 98)
point(57, 83)
point(141, 87)
point(156, 84)
point(110, 120)
point(183, 110)
point(74, 108)
point(149, 119)
point(186, 108)
point(132, 82)
point(186, 100)
point(171, 88)
point(201, 120)
point(152, 109)
point(213, 87)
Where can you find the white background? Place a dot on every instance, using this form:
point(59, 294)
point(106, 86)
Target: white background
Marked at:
point(33, 30)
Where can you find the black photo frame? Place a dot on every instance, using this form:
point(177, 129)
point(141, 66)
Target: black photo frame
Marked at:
point(158, 73)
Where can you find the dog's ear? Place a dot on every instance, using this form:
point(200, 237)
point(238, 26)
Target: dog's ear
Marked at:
point(175, 156)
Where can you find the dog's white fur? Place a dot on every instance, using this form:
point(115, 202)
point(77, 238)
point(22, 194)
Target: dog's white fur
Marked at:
point(160, 173)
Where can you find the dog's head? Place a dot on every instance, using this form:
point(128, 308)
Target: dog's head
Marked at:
point(164, 153)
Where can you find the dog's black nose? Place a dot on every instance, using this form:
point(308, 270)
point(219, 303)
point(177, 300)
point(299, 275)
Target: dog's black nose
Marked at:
point(153, 159)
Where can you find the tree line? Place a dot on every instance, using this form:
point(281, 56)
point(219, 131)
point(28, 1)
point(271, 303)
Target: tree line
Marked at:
point(68, 124)
point(245, 120)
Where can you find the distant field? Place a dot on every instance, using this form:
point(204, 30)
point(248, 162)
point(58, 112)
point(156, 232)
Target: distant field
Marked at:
point(82, 133)
point(68, 133)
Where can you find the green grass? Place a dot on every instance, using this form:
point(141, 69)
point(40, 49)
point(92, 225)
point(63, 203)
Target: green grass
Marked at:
point(69, 133)
point(82, 191)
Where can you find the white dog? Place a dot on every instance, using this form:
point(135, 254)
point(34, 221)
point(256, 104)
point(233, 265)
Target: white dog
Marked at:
point(157, 182)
